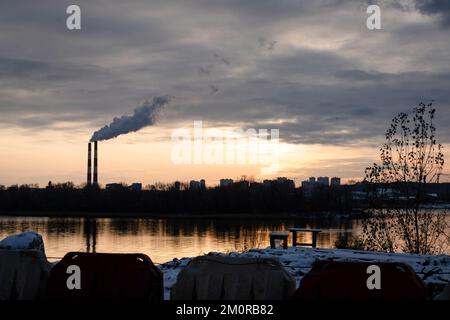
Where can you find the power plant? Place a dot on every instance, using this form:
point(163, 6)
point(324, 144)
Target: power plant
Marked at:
point(92, 179)
point(143, 116)
point(89, 165)
point(95, 163)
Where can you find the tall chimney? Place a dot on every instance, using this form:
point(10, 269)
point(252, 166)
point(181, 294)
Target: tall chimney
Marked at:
point(95, 163)
point(89, 166)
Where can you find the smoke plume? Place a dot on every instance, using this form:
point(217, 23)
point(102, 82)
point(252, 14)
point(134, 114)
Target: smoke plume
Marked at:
point(143, 116)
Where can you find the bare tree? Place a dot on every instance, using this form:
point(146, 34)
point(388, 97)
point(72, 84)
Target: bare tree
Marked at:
point(411, 158)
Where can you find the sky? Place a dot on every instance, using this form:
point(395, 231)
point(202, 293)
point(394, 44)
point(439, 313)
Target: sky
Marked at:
point(310, 69)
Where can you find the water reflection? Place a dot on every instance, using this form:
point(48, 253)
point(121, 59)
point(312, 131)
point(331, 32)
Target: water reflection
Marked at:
point(165, 239)
point(90, 233)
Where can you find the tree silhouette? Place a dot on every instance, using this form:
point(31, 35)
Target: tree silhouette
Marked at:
point(411, 159)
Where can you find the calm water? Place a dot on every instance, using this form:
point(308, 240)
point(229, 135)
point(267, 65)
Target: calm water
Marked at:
point(165, 239)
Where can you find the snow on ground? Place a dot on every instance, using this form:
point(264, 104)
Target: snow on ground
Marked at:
point(432, 269)
point(23, 241)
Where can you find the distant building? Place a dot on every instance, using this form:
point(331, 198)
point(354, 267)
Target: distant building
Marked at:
point(312, 182)
point(115, 186)
point(137, 186)
point(309, 184)
point(323, 181)
point(226, 182)
point(197, 185)
point(280, 182)
point(177, 186)
point(285, 182)
point(335, 181)
point(194, 185)
point(306, 184)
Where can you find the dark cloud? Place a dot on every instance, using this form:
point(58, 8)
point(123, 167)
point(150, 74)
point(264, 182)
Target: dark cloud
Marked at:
point(435, 7)
point(327, 80)
point(24, 70)
point(361, 75)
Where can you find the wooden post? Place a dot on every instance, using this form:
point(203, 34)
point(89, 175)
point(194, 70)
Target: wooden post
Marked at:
point(294, 238)
point(314, 239)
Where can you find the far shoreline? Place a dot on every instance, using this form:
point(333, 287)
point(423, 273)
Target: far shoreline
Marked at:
point(151, 215)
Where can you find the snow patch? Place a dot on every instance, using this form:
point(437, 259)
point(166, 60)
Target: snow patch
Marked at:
point(23, 241)
point(433, 270)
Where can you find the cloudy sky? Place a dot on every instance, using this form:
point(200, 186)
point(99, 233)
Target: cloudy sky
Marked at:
point(308, 68)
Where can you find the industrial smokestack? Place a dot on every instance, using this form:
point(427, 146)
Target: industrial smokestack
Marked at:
point(89, 166)
point(143, 116)
point(95, 163)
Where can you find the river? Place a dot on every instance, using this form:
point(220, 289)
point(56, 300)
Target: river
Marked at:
point(165, 239)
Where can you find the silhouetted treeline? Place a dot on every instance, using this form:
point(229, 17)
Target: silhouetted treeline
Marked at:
point(241, 197)
point(237, 198)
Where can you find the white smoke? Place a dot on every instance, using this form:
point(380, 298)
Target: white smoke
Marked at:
point(143, 116)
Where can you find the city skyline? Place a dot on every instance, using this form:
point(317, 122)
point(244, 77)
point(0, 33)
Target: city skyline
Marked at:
point(310, 69)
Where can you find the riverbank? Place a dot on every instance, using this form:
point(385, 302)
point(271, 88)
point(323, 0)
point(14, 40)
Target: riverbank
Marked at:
point(357, 214)
point(354, 214)
point(433, 270)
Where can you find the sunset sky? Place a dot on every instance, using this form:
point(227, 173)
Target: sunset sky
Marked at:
point(311, 69)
